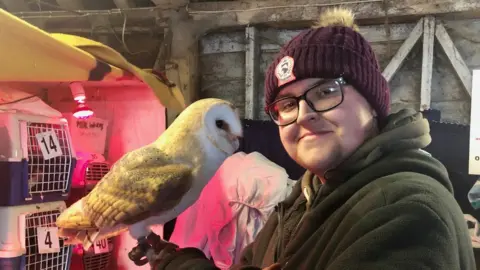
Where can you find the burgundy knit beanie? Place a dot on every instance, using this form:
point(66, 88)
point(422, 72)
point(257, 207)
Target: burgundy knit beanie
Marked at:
point(334, 48)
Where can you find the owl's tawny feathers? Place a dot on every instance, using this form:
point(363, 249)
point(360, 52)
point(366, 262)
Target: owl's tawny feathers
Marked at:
point(157, 182)
point(337, 16)
point(146, 179)
point(133, 198)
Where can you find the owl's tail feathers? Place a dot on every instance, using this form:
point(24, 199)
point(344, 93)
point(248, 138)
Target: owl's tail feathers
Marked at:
point(75, 226)
point(74, 237)
point(88, 237)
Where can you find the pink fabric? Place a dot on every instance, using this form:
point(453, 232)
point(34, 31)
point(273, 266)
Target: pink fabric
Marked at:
point(233, 207)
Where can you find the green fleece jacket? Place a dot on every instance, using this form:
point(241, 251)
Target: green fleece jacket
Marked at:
point(389, 206)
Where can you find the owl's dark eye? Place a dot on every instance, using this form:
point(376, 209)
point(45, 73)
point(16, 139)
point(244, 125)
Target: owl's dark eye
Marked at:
point(220, 124)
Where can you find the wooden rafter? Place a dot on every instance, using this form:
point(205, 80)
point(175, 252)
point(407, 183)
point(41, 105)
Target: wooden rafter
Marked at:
point(71, 4)
point(458, 64)
point(165, 4)
point(431, 29)
point(405, 49)
point(427, 62)
point(277, 12)
point(252, 52)
point(16, 5)
point(304, 12)
point(122, 4)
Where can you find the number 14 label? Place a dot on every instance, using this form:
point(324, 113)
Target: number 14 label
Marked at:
point(49, 144)
point(47, 239)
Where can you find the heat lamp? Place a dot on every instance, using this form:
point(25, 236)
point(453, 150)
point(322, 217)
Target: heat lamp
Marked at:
point(78, 92)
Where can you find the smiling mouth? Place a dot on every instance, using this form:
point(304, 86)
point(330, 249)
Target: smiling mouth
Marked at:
point(316, 134)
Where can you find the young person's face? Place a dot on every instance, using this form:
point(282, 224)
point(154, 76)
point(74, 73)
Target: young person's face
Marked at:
point(319, 141)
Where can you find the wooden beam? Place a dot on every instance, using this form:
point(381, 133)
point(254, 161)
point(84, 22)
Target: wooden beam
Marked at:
point(183, 73)
point(99, 22)
point(271, 39)
point(71, 4)
point(182, 62)
point(63, 19)
point(284, 13)
point(104, 30)
point(305, 12)
point(427, 62)
point(454, 56)
point(398, 59)
point(278, 13)
point(163, 52)
point(16, 5)
point(123, 4)
point(160, 65)
point(166, 4)
point(252, 53)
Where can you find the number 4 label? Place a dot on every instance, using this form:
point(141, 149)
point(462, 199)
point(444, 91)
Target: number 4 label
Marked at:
point(101, 246)
point(49, 144)
point(47, 239)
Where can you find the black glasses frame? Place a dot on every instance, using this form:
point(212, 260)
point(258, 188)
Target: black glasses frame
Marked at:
point(339, 81)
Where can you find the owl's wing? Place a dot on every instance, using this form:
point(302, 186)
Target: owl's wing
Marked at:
point(145, 156)
point(134, 190)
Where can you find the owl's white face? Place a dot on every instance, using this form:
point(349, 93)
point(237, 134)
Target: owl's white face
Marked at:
point(223, 127)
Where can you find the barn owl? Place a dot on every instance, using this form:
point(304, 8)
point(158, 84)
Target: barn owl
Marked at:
point(156, 183)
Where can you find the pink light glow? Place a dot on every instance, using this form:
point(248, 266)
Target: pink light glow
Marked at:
point(80, 98)
point(82, 112)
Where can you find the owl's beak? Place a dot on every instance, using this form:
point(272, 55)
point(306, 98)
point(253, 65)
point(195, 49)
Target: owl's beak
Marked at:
point(234, 140)
point(233, 137)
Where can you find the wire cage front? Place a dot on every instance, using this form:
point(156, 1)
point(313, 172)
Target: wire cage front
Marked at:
point(52, 175)
point(36, 158)
point(94, 172)
point(101, 261)
point(29, 238)
point(33, 259)
point(90, 169)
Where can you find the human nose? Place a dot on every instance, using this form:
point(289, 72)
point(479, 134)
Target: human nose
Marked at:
point(305, 113)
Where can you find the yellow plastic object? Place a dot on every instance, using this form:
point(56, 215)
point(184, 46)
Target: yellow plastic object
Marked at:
point(29, 54)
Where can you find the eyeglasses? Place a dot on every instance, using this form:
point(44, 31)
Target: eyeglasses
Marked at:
point(321, 97)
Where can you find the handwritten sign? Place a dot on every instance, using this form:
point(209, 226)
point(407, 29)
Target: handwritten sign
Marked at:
point(89, 135)
point(474, 151)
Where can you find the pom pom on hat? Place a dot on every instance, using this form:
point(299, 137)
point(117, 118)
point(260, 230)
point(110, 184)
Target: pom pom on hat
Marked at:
point(337, 17)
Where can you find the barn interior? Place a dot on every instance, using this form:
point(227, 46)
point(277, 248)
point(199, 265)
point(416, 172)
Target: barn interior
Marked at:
point(110, 76)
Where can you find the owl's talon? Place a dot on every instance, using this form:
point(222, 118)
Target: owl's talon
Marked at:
point(138, 253)
point(141, 262)
point(154, 239)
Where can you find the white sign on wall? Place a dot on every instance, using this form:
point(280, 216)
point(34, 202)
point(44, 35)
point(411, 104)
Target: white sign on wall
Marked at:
point(474, 151)
point(89, 135)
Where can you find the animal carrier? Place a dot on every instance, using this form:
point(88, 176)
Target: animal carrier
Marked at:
point(29, 238)
point(36, 159)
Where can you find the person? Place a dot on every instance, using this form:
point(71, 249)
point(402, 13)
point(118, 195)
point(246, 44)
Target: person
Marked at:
point(370, 199)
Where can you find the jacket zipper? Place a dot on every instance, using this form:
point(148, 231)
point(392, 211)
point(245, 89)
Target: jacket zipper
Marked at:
point(280, 209)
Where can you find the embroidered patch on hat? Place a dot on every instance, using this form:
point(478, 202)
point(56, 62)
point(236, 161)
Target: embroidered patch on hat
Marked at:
point(284, 70)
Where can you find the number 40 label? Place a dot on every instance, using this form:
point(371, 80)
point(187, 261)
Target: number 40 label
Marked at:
point(101, 246)
point(47, 239)
point(49, 144)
